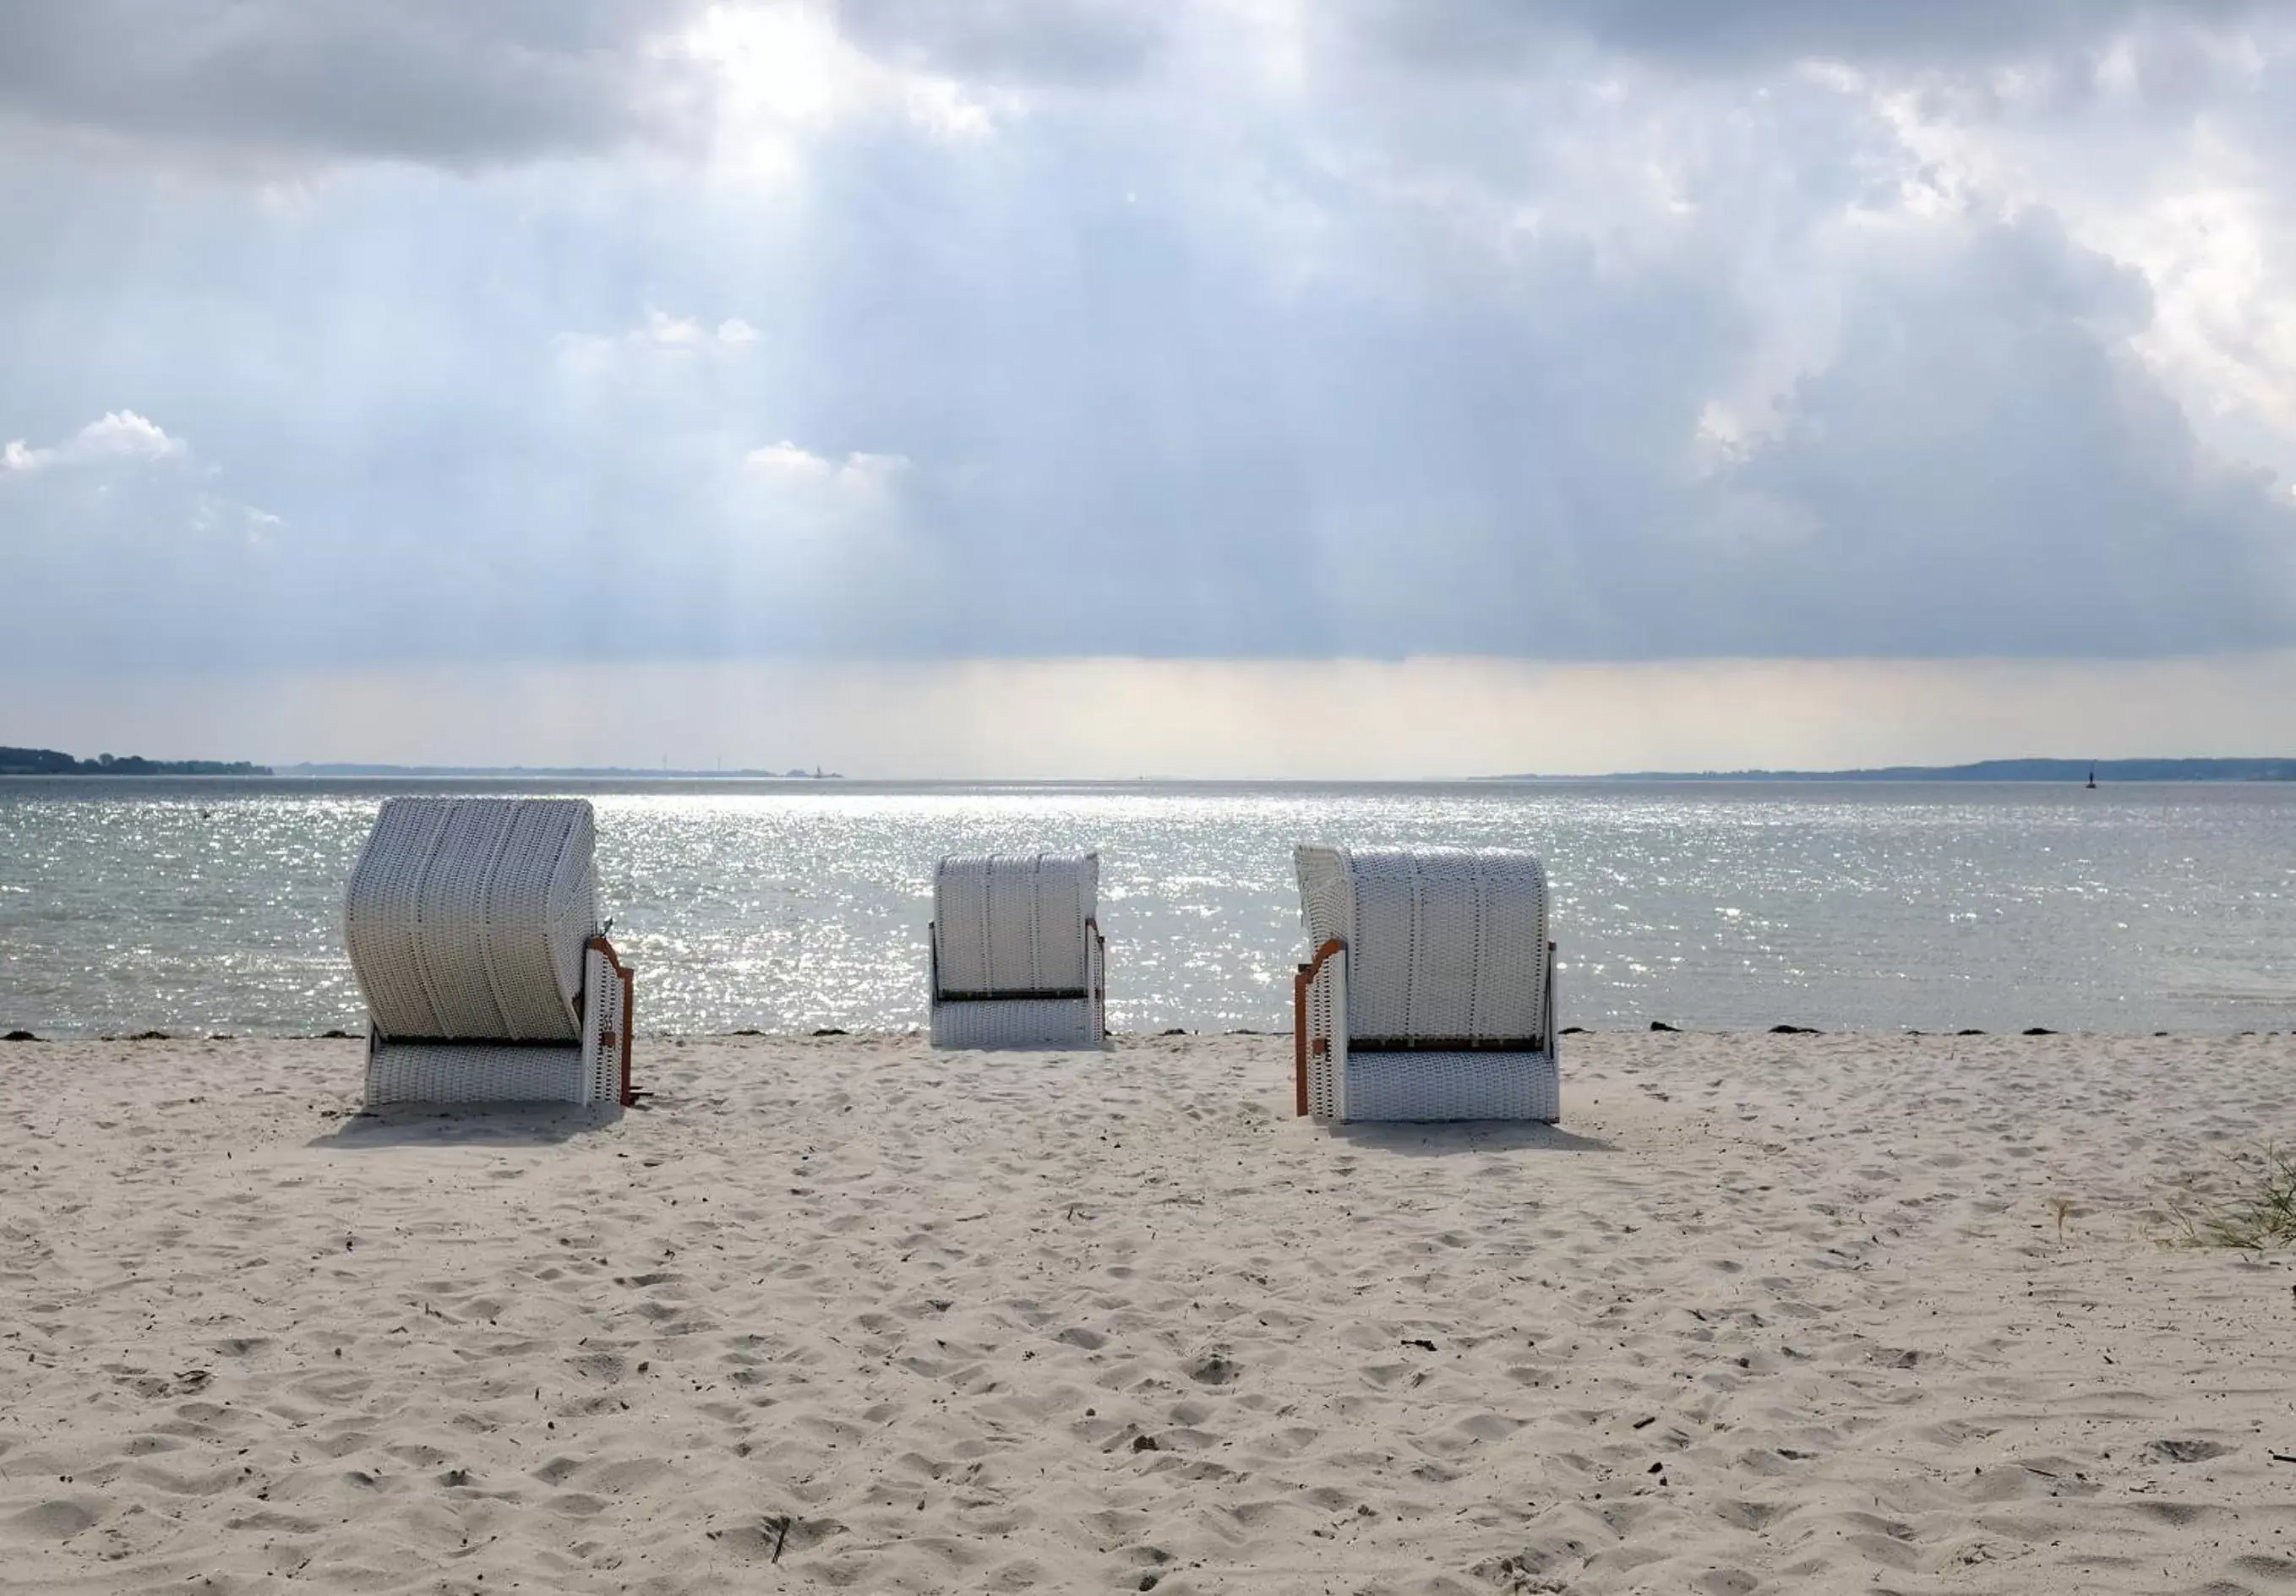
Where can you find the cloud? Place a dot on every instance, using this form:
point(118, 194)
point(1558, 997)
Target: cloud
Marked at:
point(662, 330)
point(1229, 332)
point(427, 81)
point(660, 341)
point(1496, 36)
point(116, 436)
point(785, 459)
point(133, 551)
point(1074, 42)
point(666, 331)
point(858, 471)
point(1985, 466)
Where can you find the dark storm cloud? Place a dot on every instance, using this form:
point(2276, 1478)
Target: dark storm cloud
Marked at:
point(1497, 35)
point(452, 81)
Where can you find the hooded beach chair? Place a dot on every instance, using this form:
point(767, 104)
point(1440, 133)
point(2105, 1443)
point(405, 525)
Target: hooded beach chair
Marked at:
point(1430, 993)
point(472, 928)
point(1018, 959)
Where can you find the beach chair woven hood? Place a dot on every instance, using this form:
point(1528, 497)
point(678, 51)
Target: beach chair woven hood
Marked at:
point(472, 929)
point(1441, 944)
point(466, 918)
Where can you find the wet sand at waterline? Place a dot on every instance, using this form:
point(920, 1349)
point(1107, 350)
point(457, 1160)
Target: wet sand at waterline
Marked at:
point(1763, 1313)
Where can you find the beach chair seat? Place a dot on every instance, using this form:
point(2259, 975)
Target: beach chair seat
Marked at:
point(474, 934)
point(1018, 959)
point(1430, 992)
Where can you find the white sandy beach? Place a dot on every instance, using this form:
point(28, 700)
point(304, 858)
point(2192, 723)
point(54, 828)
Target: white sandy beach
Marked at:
point(1764, 1314)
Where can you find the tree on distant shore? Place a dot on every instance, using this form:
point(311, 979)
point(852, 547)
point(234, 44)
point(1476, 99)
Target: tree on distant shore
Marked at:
point(53, 762)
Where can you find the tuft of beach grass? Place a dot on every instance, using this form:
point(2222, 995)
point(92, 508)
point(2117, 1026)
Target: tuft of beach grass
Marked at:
point(2258, 1215)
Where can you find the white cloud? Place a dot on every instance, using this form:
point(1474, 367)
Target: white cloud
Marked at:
point(16, 457)
point(786, 76)
point(816, 523)
point(212, 514)
point(662, 330)
point(666, 331)
point(118, 435)
point(659, 335)
point(2160, 149)
point(859, 472)
point(786, 460)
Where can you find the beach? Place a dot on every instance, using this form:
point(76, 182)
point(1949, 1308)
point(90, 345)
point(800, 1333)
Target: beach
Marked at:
point(1825, 1313)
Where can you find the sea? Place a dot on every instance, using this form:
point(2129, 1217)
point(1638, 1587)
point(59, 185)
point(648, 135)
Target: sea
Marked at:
point(213, 906)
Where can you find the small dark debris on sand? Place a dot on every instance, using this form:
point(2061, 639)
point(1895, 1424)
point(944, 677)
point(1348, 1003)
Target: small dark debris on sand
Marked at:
point(2179, 1450)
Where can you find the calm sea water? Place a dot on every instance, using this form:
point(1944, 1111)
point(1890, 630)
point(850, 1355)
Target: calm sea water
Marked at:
point(214, 907)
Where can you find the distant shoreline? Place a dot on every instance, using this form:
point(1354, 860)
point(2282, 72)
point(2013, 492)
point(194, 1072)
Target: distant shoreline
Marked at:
point(2060, 772)
point(2076, 770)
point(630, 772)
point(54, 762)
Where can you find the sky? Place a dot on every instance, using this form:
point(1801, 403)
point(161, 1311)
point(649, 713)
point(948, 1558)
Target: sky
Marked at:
point(1178, 387)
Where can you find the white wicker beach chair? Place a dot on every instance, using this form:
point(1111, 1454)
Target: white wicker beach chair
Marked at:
point(473, 929)
point(1018, 959)
point(1430, 991)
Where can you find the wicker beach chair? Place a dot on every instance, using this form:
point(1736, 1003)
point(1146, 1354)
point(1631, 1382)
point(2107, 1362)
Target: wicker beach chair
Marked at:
point(1430, 992)
point(473, 929)
point(1018, 959)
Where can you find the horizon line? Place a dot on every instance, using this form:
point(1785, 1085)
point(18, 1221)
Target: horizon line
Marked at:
point(2026, 769)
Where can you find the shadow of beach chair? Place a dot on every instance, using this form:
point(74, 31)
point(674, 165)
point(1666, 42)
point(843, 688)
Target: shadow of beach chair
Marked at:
point(1430, 993)
point(1018, 959)
point(473, 929)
